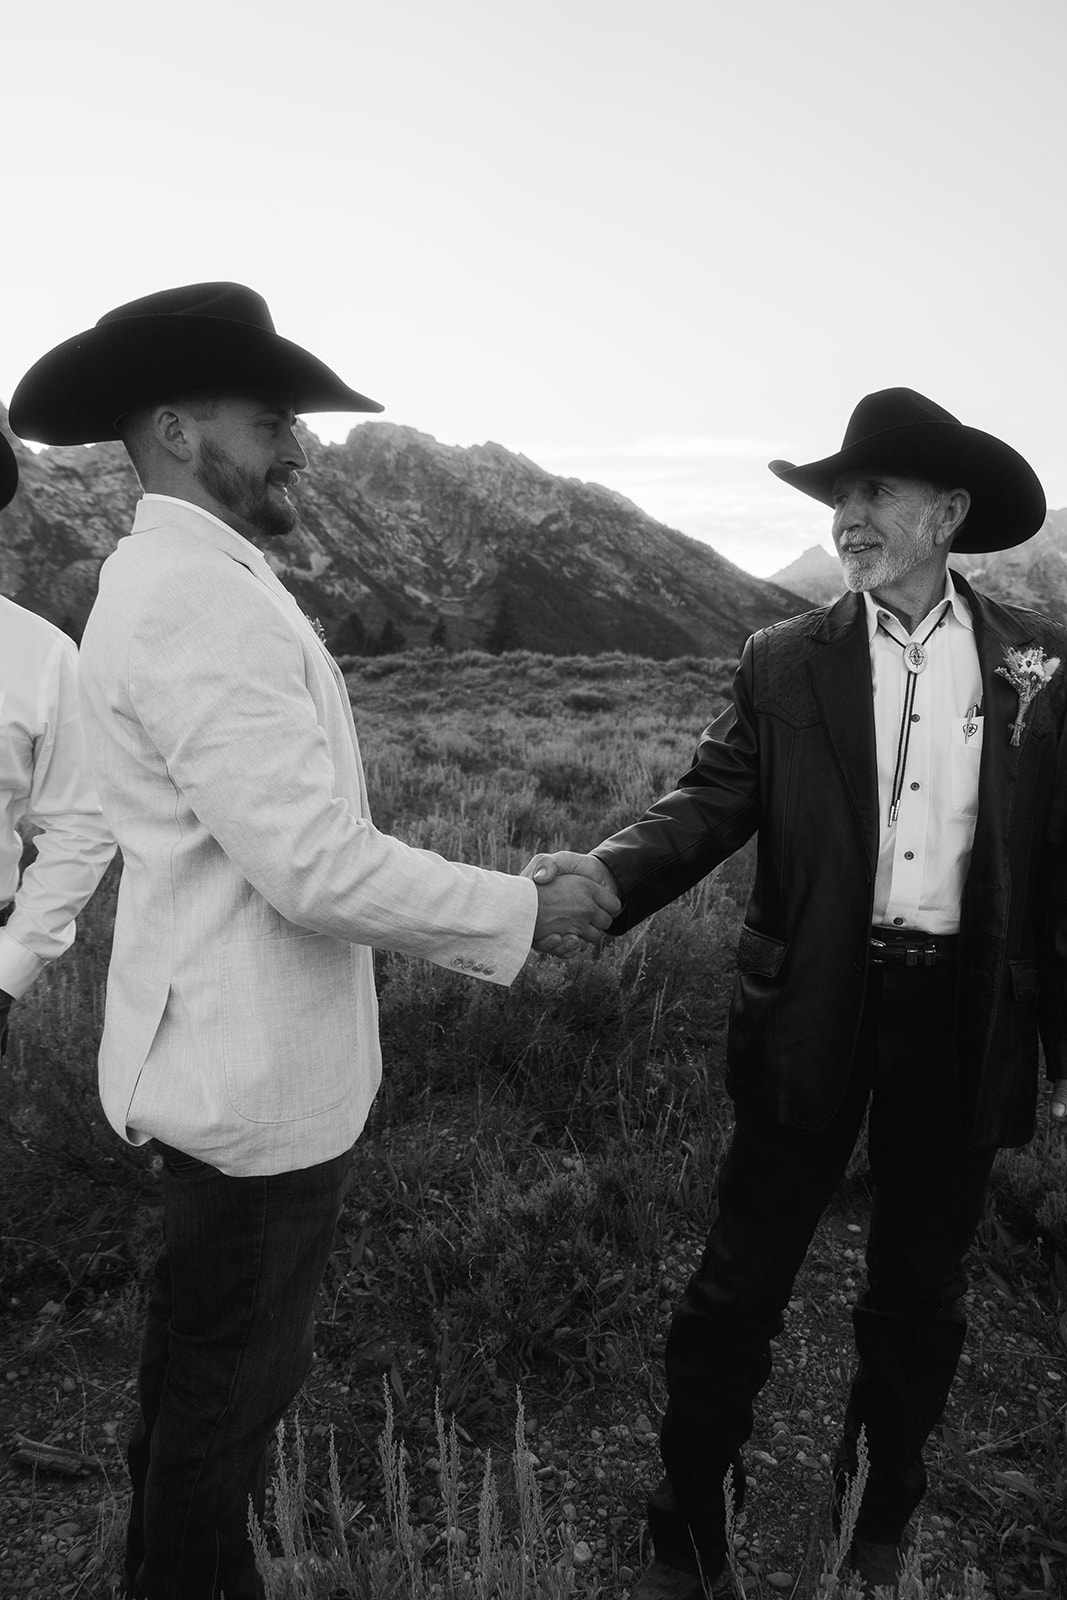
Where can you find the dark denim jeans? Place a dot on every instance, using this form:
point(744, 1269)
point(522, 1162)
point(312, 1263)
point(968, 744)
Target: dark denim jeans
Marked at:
point(227, 1344)
point(775, 1183)
point(6, 1002)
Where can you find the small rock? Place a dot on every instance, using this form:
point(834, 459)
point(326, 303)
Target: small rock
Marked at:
point(642, 1424)
point(582, 1553)
point(570, 1512)
point(67, 1530)
point(780, 1580)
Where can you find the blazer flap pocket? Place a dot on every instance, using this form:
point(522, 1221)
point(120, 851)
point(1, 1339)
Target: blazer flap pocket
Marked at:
point(1026, 981)
point(758, 954)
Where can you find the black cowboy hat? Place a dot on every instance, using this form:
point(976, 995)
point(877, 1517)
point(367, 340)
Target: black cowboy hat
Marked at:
point(195, 339)
point(899, 431)
point(9, 473)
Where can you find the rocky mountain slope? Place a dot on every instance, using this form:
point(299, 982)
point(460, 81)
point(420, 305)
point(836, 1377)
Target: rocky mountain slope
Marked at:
point(816, 574)
point(1034, 574)
point(422, 540)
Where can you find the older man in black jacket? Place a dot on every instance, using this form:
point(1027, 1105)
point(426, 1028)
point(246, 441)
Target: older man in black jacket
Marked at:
point(901, 755)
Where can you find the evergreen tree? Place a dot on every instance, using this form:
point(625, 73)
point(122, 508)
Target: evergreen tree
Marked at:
point(352, 638)
point(390, 641)
point(504, 633)
point(439, 634)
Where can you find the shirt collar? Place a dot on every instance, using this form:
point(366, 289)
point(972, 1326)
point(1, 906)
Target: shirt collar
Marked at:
point(958, 606)
point(209, 516)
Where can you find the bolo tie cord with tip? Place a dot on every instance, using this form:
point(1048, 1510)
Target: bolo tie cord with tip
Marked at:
point(915, 660)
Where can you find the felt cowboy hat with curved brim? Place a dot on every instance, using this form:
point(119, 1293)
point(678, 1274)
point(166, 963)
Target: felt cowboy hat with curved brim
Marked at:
point(900, 431)
point(200, 338)
point(9, 473)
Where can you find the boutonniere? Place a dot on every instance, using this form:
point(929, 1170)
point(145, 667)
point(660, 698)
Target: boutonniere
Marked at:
point(1027, 671)
point(316, 625)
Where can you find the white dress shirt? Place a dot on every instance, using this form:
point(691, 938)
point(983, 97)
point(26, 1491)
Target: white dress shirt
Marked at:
point(44, 780)
point(923, 856)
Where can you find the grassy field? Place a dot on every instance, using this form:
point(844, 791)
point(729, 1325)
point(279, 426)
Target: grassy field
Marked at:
point(528, 1200)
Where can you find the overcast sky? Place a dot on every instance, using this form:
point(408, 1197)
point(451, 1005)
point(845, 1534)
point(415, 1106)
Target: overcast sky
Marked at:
point(649, 244)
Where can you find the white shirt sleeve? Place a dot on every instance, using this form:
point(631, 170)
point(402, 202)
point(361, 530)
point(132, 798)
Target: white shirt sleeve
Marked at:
point(44, 781)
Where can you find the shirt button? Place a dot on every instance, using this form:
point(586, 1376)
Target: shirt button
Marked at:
point(914, 786)
point(909, 855)
point(898, 922)
point(915, 716)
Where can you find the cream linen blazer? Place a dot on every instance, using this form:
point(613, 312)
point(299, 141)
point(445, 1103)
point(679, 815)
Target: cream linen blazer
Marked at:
point(241, 1017)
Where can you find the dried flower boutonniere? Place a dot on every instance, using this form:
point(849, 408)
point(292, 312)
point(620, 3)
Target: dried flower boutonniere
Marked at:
point(317, 626)
point(1027, 671)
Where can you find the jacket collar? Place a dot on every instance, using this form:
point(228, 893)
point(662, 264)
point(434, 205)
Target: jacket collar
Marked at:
point(995, 626)
point(842, 681)
point(167, 511)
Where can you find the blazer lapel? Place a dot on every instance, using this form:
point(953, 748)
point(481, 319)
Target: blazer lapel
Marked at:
point(841, 677)
point(999, 768)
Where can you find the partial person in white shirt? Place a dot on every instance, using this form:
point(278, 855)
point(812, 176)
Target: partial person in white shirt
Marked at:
point(901, 758)
point(45, 782)
point(240, 1031)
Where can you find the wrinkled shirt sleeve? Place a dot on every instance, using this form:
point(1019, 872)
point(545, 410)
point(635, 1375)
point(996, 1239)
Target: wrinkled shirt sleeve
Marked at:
point(45, 781)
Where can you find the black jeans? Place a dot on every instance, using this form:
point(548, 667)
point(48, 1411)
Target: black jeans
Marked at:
point(775, 1183)
point(6, 1001)
point(227, 1344)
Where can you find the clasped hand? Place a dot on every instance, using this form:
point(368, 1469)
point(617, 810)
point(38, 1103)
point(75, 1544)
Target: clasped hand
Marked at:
point(577, 900)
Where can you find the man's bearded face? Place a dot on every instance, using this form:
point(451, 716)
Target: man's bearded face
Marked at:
point(256, 495)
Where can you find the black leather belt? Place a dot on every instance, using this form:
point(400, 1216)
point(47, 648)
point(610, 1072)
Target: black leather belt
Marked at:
point(905, 947)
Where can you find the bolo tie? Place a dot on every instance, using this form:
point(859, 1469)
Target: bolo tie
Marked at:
point(915, 659)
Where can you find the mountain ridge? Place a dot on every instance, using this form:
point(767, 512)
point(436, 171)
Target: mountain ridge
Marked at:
point(403, 536)
point(404, 540)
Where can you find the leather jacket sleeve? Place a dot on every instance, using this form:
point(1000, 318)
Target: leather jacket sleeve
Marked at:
point(714, 810)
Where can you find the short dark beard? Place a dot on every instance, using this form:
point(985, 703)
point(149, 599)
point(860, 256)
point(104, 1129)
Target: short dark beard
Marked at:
point(244, 493)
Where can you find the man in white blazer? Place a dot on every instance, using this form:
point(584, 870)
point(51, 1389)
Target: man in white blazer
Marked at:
point(240, 1031)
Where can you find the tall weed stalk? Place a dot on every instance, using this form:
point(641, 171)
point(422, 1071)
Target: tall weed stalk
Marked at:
point(464, 1554)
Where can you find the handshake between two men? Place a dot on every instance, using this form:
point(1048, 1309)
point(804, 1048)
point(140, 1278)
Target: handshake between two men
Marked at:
point(577, 901)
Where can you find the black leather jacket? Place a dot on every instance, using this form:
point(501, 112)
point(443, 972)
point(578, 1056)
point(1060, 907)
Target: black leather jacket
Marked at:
point(793, 758)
